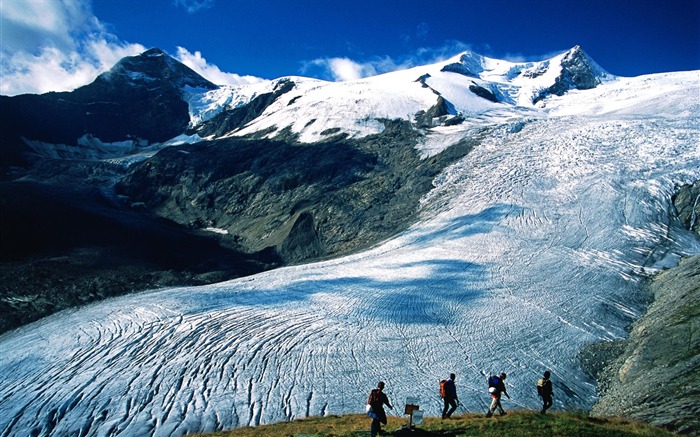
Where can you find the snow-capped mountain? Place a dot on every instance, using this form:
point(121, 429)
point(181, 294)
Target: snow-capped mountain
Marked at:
point(509, 214)
point(151, 98)
point(444, 94)
point(140, 101)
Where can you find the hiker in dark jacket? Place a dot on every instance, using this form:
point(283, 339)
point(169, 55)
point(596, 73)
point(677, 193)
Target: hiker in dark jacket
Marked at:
point(450, 397)
point(377, 399)
point(544, 390)
point(497, 388)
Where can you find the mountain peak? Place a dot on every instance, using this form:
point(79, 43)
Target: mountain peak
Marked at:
point(469, 64)
point(155, 65)
point(153, 52)
point(578, 71)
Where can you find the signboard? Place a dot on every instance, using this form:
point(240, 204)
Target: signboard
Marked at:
point(412, 408)
point(412, 400)
point(411, 405)
point(417, 417)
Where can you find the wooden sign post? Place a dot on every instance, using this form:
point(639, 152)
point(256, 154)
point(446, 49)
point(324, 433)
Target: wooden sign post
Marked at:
point(412, 409)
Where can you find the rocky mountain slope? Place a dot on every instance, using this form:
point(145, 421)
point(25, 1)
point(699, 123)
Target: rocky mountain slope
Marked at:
point(656, 376)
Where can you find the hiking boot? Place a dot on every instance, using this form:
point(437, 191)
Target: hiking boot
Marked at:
point(503, 413)
point(489, 414)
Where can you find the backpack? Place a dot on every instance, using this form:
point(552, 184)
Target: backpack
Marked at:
point(374, 397)
point(540, 385)
point(443, 388)
point(494, 381)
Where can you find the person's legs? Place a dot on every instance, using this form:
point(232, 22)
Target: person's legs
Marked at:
point(374, 429)
point(449, 408)
point(492, 407)
point(546, 403)
point(500, 407)
point(453, 404)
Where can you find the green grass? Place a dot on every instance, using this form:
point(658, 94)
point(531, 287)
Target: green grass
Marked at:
point(516, 423)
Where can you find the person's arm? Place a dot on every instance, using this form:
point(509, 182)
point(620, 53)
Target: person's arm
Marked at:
point(386, 401)
point(503, 385)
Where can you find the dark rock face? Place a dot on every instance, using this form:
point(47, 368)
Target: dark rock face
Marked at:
point(657, 377)
point(303, 240)
point(232, 119)
point(687, 204)
point(431, 117)
point(578, 72)
point(139, 98)
point(305, 201)
point(483, 93)
point(470, 64)
point(69, 244)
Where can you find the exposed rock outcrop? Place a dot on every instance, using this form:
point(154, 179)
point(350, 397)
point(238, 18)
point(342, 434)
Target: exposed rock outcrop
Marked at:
point(578, 71)
point(657, 378)
point(470, 64)
point(687, 204)
point(233, 119)
point(304, 201)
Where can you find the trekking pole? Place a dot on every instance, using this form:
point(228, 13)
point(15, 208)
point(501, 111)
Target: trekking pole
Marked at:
point(461, 405)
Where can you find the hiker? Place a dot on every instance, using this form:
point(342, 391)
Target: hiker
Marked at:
point(377, 399)
point(544, 390)
point(496, 388)
point(448, 391)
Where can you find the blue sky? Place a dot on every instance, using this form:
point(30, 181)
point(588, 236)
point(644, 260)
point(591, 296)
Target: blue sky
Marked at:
point(61, 44)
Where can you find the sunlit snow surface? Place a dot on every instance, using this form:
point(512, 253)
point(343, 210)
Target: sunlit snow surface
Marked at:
point(532, 246)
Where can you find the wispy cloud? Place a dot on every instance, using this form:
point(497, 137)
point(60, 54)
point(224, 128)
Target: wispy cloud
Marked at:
point(339, 69)
point(211, 72)
point(422, 31)
point(192, 6)
point(344, 69)
point(54, 45)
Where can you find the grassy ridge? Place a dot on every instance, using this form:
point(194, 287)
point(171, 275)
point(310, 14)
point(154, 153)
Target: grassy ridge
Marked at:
point(516, 423)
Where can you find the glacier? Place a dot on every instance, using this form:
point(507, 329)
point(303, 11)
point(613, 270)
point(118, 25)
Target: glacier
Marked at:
point(535, 244)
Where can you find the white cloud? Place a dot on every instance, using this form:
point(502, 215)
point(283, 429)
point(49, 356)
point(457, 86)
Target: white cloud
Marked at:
point(344, 69)
point(54, 45)
point(192, 6)
point(211, 72)
point(341, 69)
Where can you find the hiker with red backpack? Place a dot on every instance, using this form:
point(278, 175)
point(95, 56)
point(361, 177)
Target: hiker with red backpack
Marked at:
point(496, 388)
point(448, 392)
point(376, 401)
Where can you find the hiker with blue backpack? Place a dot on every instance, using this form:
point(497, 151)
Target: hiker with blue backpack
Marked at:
point(496, 388)
point(448, 392)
